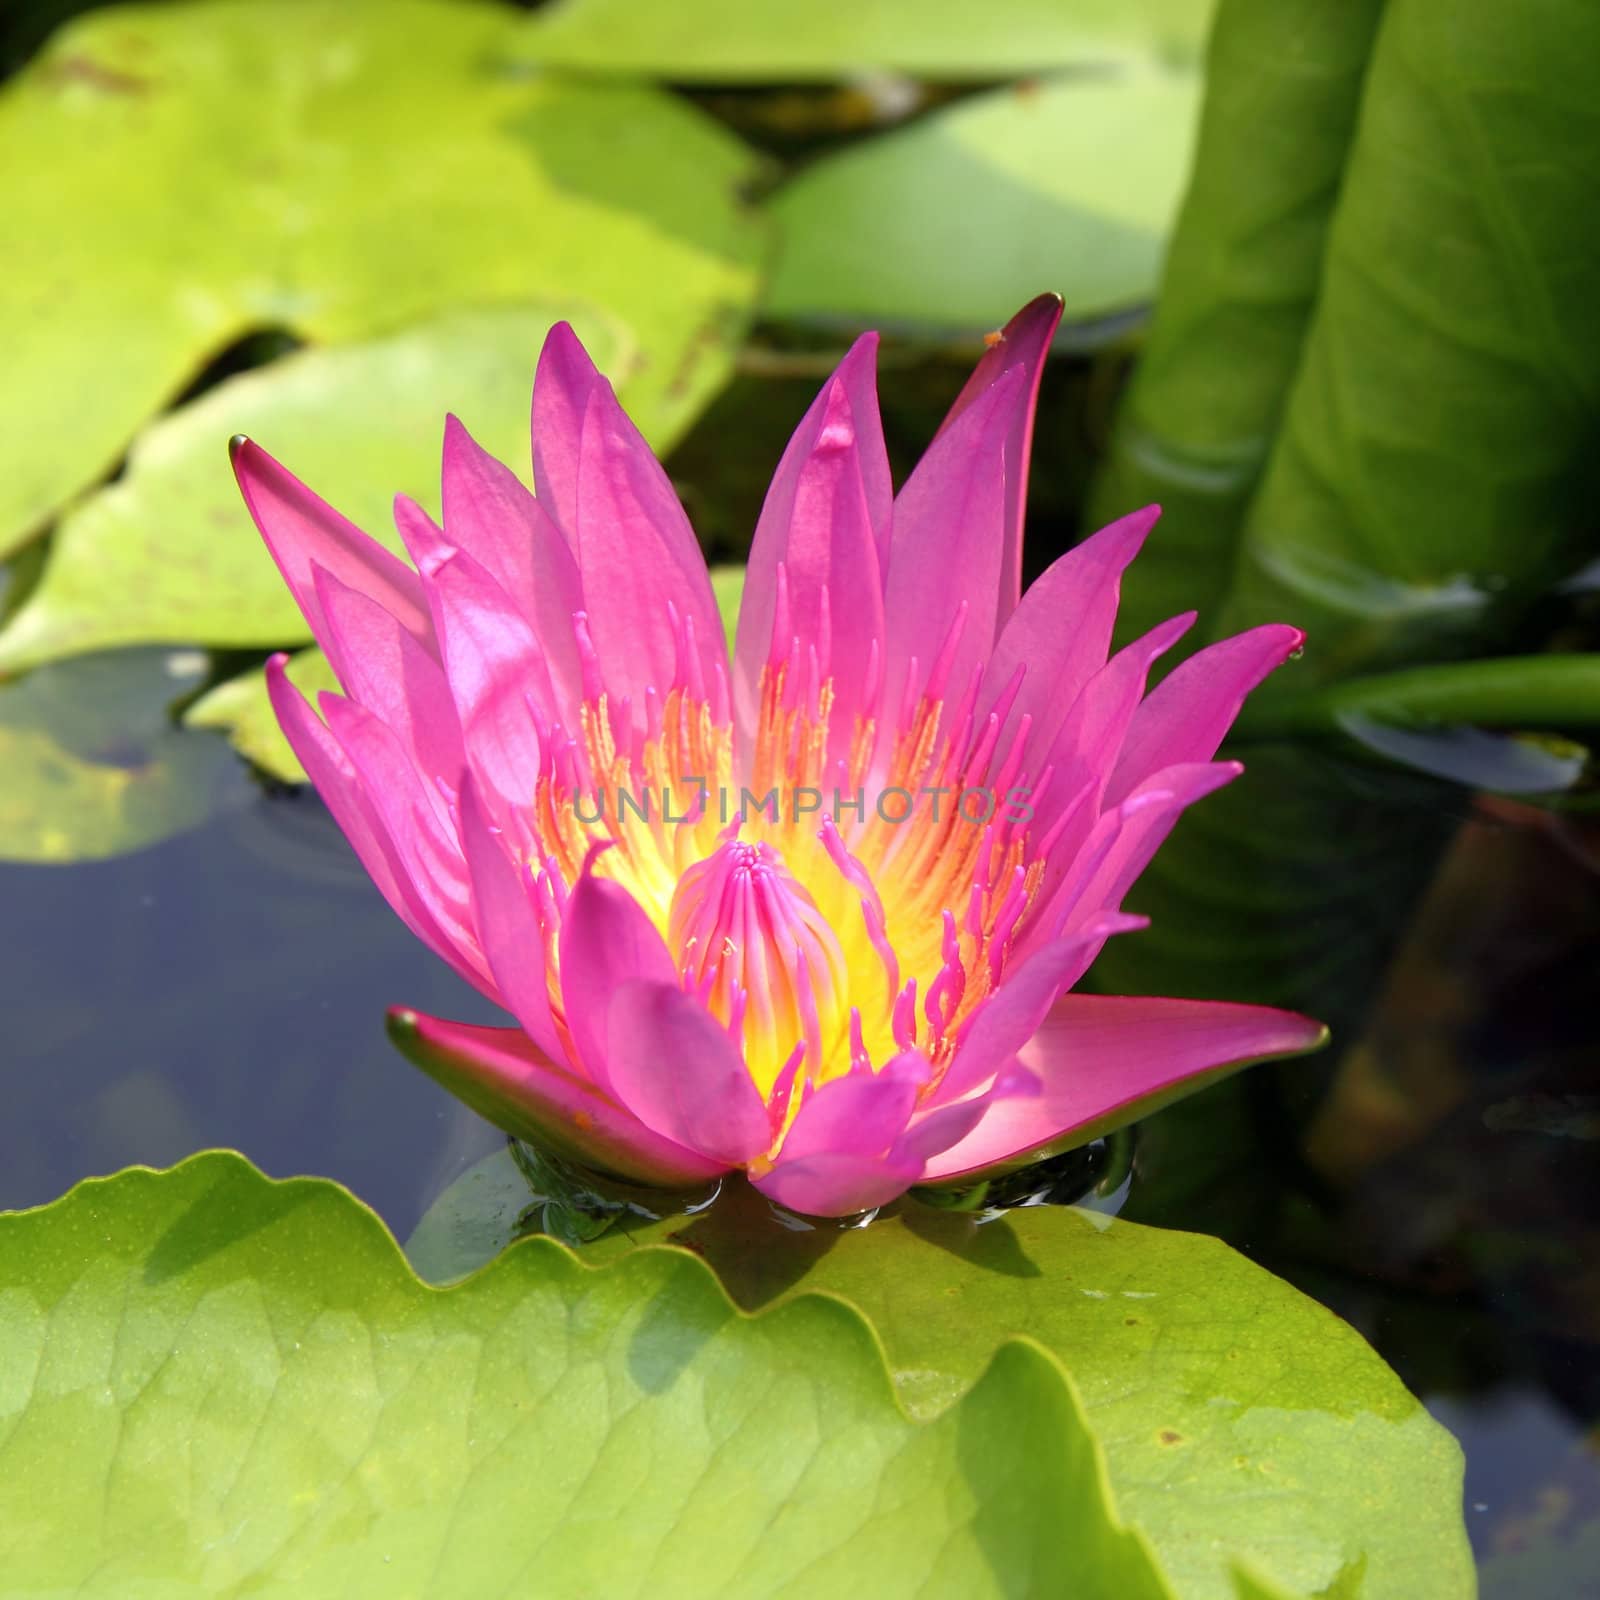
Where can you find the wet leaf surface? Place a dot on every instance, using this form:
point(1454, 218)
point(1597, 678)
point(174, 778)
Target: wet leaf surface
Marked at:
point(1239, 1419)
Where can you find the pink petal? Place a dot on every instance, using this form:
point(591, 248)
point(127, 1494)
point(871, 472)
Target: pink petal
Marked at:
point(1139, 827)
point(933, 1132)
point(490, 515)
point(1061, 632)
point(495, 669)
point(861, 1114)
point(1024, 343)
point(1011, 1015)
point(562, 384)
point(818, 523)
point(674, 1067)
point(336, 780)
point(1106, 1060)
point(502, 1075)
point(839, 1185)
point(1192, 708)
point(300, 529)
point(947, 549)
point(508, 923)
point(651, 612)
point(384, 668)
point(417, 818)
point(606, 940)
point(1085, 747)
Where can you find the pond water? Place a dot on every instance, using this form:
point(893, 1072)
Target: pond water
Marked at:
point(227, 987)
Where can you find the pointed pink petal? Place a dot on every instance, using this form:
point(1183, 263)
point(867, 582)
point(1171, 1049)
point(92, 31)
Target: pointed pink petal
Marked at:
point(336, 780)
point(933, 1132)
point(1023, 344)
point(818, 523)
point(490, 515)
point(383, 668)
point(1140, 826)
point(496, 671)
point(417, 818)
point(1011, 1016)
point(947, 548)
point(561, 387)
point(1085, 747)
point(503, 1076)
point(1106, 1060)
point(860, 1114)
point(300, 529)
point(645, 582)
point(508, 922)
point(1060, 634)
point(672, 1064)
point(1085, 885)
point(837, 1184)
point(1192, 708)
point(606, 940)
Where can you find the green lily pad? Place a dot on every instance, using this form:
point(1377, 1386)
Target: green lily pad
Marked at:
point(93, 764)
point(712, 41)
point(949, 224)
point(211, 1383)
point(169, 552)
point(241, 707)
point(1241, 1421)
point(181, 174)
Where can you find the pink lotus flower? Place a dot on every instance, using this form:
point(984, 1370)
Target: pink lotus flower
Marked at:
point(814, 912)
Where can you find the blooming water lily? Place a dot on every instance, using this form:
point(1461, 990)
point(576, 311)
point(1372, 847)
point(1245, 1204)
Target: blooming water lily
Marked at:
point(817, 910)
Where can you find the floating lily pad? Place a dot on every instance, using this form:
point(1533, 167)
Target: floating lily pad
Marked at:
point(214, 1384)
point(241, 707)
point(93, 764)
point(949, 224)
point(1241, 1421)
point(179, 175)
point(169, 552)
point(707, 41)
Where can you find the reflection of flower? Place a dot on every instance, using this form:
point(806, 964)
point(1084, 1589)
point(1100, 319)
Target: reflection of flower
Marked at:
point(842, 995)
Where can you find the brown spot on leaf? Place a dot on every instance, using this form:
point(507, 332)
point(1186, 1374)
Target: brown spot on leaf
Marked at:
point(1170, 1436)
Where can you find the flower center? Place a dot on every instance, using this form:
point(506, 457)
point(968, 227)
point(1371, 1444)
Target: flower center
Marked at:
point(752, 944)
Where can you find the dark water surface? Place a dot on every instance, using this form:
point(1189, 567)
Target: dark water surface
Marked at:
point(227, 987)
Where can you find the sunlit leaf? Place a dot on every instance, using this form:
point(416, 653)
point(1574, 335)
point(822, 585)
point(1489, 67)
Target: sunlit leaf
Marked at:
point(214, 1384)
point(169, 552)
point(1240, 1420)
point(950, 224)
point(704, 41)
point(179, 175)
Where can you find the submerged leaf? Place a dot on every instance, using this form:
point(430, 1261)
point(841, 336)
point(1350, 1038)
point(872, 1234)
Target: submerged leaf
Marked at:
point(93, 766)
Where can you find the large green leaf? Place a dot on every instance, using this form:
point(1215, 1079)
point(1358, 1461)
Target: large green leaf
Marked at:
point(1432, 466)
point(705, 41)
point(242, 709)
point(1240, 1420)
point(214, 1384)
point(1237, 295)
point(180, 174)
point(93, 765)
point(1437, 447)
point(953, 222)
point(169, 552)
